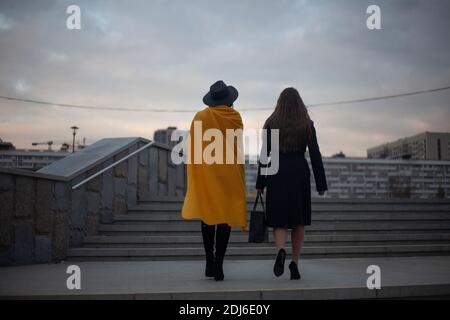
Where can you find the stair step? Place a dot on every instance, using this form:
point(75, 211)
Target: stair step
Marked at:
point(245, 243)
point(324, 201)
point(316, 216)
point(256, 251)
point(311, 232)
point(243, 239)
point(200, 246)
point(337, 206)
point(155, 230)
point(193, 226)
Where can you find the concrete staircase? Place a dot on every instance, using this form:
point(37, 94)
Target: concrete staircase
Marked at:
point(154, 230)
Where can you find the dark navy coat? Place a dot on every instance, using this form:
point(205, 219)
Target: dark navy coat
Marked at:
point(288, 197)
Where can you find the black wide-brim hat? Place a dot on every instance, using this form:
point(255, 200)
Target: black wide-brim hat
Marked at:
point(220, 94)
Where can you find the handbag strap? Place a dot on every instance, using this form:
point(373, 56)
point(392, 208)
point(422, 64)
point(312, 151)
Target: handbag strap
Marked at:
point(259, 196)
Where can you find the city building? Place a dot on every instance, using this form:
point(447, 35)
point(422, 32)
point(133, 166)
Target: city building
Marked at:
point(377, 178)
point(6, 145)
point(423, 146)
point(163, 136)
point(340, 154)
point(29, 159)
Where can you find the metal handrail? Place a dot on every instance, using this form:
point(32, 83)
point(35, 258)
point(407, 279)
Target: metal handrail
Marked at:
point(112, 165)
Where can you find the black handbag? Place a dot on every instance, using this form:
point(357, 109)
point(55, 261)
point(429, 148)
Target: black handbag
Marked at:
point(258, 232)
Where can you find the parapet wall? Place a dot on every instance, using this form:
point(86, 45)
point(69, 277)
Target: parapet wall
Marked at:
point(34, 218)
point(41, 216)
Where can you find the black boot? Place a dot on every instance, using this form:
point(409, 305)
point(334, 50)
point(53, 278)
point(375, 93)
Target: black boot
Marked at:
point(208, 233)
point(222, 237)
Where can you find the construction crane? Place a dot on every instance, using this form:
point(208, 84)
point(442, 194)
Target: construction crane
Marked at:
point(49, 143)
point(65, 144)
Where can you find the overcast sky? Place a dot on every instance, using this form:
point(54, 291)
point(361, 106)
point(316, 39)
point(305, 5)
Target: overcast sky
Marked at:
point(166, 54)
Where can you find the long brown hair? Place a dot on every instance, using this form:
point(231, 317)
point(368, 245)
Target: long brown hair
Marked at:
point(292, 119)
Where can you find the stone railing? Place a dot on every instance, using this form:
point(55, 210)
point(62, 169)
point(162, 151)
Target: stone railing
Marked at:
point(41, 215)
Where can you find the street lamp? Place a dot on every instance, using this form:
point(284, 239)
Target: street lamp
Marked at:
point(74, 128)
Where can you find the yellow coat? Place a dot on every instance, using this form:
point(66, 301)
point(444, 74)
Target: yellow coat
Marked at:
point(216, 192)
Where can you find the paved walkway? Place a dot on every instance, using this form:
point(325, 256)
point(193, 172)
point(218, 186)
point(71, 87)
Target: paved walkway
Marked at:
point(321, 279)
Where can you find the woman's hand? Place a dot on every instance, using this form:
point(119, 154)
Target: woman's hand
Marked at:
point(260, 190)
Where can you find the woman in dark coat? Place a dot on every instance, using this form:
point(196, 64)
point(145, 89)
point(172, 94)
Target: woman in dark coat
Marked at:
point(288, 199)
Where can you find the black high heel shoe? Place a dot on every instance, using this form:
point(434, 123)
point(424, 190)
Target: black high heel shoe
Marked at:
point(278, 268)
point(295, 275)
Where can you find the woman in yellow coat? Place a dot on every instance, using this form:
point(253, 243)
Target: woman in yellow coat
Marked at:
point(215, 174)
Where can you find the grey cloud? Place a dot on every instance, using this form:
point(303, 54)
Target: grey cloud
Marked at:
point(165, 54)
